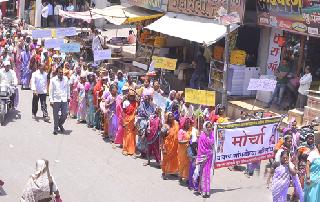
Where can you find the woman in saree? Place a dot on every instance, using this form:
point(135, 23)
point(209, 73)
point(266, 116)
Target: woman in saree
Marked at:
point(283, 172)
point(145, 111)
point(111, 117)
point(129, 140)
point(170, 146)
point(312, 185)
point(73, 105)
point(153, 139)
point(120, 115)
point(25, 68)
point(82, 102)
point(193, 152)
point(170, 99)
point(184, 136)
point(67, 70)
point(89, 86)
point(41, 186)
point(17, 67)
point(205, 158)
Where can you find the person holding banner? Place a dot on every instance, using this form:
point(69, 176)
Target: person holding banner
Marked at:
point(205, 159)
point(184, 136)
point(169, 146)
point(25, 68)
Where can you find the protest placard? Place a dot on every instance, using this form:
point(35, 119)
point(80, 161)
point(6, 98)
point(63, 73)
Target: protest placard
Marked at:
point(53, 43)
point(101, 54)
point(164, 63)
point(202, 97)
point(159, 100)
point(62, 32)
point(262, 84)
point(41, 33)
point(70, 48)
point(244, 142)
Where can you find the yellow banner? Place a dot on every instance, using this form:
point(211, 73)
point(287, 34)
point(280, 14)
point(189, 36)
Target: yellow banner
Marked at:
point(164, 63)
point(202, 97)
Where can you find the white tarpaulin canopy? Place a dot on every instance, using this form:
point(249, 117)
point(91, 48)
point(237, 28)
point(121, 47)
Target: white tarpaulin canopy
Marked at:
point(120, 14)
point(79, 15)
point(192, 28)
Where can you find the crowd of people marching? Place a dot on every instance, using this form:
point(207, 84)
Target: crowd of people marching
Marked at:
point(178, 137)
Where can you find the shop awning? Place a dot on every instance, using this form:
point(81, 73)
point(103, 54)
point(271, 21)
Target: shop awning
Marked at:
point(86, 15)
point(120, 14)
point(197, 29)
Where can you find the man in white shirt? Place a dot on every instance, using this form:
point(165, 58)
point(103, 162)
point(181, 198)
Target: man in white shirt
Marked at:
point(305, 83)
point(39, 80)
point(8, 78)
point(59, 96)
point(44, 15)
point(57, 7)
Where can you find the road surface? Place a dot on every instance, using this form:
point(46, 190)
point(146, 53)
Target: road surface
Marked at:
point(87, 169)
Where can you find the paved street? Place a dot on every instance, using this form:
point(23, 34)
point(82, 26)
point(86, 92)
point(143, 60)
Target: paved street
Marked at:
point(87, 169)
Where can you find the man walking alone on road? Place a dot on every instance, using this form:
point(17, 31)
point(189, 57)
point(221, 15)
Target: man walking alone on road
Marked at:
point(59, 96)
point(39, 87)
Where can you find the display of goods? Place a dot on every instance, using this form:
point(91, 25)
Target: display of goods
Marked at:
point(217, 75)
point(314, 102)
point(160, 41)
point(144, 35)
point(217, 85)
point(218, 53)
point(238, 57)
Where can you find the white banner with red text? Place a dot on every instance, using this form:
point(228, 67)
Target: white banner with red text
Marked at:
point(245, 142)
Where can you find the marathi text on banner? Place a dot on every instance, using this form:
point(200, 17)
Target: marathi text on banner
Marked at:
point(274, 54)
point(164, 63)
point(202, 97)
point(102, 54)
point(70, 48)
point(245, 142)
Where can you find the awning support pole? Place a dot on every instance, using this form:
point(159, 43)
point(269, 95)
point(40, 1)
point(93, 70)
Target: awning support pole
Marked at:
point(226, 62)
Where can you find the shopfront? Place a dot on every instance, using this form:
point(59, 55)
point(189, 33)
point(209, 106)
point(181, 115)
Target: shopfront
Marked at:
point(192, 30)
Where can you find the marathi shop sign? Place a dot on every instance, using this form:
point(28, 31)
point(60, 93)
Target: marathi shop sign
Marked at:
point(206, 8)
point(300, 16)
point(148, 4)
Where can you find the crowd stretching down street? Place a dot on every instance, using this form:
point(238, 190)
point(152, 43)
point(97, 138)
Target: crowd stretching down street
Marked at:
point(180, 138)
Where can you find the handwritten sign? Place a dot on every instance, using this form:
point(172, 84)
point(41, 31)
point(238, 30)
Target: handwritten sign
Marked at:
point(53, 43)
point(202, 97)
point(159, 100)
point(262, 84)
point(102, 54)
point(245, 142)
point(273, 60)
point(41, 33)
point(164, 63)
point(70, 48)
point(62, 32)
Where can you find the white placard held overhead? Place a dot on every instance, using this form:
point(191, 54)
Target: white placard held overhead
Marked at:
point(53, 43)
point(69, 31)
point(262, 84)
point(102, 54)
point(41, 33)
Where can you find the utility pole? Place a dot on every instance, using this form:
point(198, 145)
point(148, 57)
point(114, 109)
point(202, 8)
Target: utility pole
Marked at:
point(226, 60)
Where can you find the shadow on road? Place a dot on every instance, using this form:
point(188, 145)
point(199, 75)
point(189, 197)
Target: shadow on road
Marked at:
point(213, 191)
point(12, 116)
point(2, 192)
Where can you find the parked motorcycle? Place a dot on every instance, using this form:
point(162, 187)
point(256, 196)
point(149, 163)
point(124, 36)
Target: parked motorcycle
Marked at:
point(5, 102)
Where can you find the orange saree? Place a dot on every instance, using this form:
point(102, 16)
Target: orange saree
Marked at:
point(170, 150)
point(129, 138)
point(184, 161)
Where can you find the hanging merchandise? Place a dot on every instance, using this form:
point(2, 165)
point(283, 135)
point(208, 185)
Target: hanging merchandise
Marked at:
point(218, 53)
point(238, 57)
point(233, 39)
point(160, 41)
